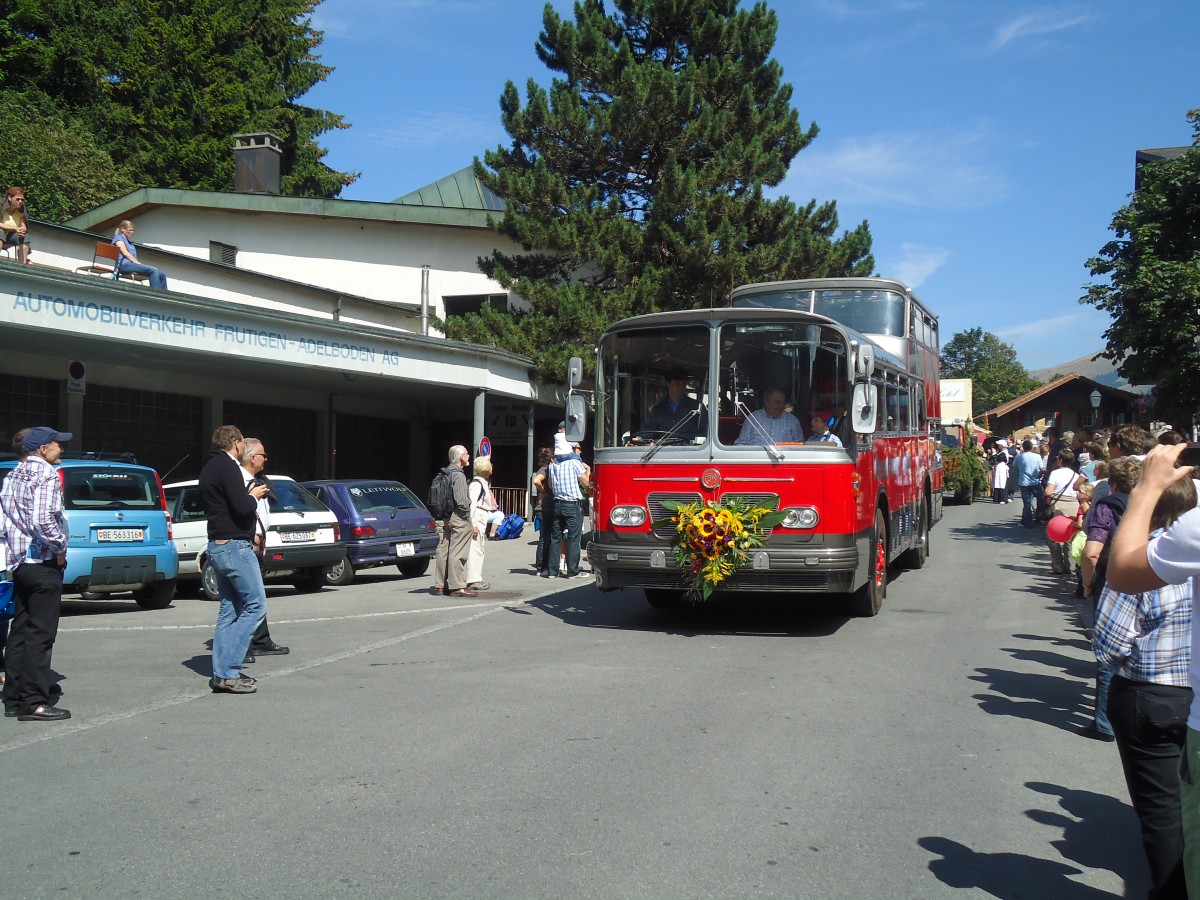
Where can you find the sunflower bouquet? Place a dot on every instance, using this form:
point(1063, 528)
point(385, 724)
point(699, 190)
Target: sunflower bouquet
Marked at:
point(714, 538)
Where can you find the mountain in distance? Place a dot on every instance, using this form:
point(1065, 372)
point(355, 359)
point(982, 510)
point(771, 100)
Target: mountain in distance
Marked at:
point(1099, 369)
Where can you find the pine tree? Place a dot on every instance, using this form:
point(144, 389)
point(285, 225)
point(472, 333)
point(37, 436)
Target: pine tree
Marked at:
point(635, 183)
point(164, 85)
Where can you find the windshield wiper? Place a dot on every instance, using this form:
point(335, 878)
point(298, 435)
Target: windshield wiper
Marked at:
point(769, 446)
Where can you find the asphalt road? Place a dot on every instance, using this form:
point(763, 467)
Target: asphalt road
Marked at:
point(548, 741)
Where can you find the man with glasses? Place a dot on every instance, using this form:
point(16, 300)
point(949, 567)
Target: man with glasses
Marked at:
point(14, 224)
point(232, 517)
point(254, 460)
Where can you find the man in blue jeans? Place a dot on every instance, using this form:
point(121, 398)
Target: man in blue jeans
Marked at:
point(231, 512)
point(1029, 478)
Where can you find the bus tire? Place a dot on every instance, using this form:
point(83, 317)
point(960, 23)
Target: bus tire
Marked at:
point(868, 599)
point(915, 557)
point(663, 599)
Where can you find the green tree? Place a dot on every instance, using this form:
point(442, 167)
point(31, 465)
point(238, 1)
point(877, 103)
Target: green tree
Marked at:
point(58, 164)
point(165, 84)
point(635, 183)
point(996, 376)
point(1153, 289)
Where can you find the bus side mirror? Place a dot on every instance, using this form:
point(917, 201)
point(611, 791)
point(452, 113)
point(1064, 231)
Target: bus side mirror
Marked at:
point(863, 405)
point(864, 361)
point(574, 371)
point(575, 416)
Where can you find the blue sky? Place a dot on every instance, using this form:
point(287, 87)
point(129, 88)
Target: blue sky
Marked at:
point(987, 143)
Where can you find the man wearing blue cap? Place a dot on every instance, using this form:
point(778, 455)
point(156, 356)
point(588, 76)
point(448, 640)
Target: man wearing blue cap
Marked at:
point(36, 533)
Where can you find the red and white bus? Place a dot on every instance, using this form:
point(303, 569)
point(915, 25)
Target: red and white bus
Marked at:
point(859, 352)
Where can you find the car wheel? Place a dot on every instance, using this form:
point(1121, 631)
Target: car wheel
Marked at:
point(340, 573)
point(208, 582)
point(157, 595)
point(309, 581)
point(414, 568)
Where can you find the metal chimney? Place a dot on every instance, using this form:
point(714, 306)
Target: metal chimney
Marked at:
point(257, 157)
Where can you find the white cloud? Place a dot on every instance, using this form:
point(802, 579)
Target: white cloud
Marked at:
point(916, 263)
point(1070, 324)
point(1034, 25)
point(940, 170)
point(431, 128)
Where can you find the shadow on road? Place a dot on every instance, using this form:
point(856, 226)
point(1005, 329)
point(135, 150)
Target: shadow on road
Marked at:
point(746, 614)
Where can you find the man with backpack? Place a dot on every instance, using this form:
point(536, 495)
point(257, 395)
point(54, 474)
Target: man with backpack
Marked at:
point(449, 502)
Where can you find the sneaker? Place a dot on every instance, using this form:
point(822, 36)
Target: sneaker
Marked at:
point(242, 685)
point(480, 586)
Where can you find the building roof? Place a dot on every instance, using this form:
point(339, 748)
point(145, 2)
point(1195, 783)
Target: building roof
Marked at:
point(461, 190)
point(417, 208)
point(1050, 387)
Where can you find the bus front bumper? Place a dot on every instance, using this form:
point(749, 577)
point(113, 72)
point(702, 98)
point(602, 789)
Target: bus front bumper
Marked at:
point(773, 569)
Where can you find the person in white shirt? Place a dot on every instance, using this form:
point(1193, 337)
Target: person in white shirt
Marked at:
point(772, 424)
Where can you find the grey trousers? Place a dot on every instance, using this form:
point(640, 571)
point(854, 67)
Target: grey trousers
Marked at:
point(450, 568)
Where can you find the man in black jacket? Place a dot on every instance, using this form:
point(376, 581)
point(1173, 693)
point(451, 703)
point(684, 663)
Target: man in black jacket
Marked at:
point(231, 520)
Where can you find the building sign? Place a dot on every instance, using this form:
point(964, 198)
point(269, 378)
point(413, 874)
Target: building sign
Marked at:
point(508, 421)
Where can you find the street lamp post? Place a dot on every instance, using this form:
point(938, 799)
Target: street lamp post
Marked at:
point(1095, 398)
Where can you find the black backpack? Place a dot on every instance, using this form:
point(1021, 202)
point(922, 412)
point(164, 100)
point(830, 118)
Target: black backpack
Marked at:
point(441, 495)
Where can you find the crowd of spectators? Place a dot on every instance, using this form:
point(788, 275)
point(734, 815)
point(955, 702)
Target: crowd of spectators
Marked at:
point(1079, 488)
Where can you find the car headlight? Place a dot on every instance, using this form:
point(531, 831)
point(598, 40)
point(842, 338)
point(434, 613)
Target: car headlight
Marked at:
point(801, 517)
point(627, 515)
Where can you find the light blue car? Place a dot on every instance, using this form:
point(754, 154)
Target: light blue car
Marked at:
point(119, 531)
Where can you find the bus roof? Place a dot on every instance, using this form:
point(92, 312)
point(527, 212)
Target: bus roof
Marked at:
point(831, 284)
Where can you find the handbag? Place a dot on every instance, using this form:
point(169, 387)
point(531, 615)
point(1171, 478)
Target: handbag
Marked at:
point(1048, 510)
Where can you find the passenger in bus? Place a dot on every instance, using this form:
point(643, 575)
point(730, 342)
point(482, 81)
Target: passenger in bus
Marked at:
point(820, 422)
point(772, 424)
point(676, 409)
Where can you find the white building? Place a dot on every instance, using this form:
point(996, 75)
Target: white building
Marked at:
point(301, 321)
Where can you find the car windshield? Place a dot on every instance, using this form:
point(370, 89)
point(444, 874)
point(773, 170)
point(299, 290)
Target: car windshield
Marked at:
point(109, 488)
point(288, 496)
point(381, 498)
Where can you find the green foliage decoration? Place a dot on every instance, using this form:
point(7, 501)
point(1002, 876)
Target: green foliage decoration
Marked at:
point(992, 366)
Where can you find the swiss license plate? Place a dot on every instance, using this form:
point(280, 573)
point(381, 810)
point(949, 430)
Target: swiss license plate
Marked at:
point(118, 534)
point(406, 550)
point(295, 537)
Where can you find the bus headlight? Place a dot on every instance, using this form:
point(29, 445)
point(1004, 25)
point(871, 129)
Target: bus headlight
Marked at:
point(625, 516)
point(801, 517)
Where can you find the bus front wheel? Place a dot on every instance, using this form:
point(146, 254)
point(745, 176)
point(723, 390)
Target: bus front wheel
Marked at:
point(868, 599)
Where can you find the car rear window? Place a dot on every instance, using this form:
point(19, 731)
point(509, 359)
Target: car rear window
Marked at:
point(382, 498)
point(109, 488)
point(288, 496)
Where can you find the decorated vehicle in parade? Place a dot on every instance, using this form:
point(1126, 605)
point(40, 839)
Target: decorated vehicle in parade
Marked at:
point(713, 494)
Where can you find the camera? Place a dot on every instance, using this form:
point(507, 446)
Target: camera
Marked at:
point(1189, 457)
point(261, 479)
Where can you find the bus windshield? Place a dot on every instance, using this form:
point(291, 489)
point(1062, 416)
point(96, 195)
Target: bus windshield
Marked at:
point(656, 387)
point(870, 311)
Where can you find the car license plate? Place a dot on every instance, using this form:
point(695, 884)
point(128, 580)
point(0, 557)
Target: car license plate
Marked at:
point(406, 550)
point(295, 537)
point(118, 534)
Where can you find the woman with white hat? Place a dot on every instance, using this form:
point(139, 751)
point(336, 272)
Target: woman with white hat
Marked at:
point(1000, 472)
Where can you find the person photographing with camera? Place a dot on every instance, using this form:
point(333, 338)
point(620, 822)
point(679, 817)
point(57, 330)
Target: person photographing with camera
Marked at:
point(254, 460)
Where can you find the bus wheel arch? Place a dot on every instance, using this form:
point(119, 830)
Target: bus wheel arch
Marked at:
point(915, 557)
point(868, 599)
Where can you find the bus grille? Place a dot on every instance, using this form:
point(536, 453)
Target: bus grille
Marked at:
point(666, 531)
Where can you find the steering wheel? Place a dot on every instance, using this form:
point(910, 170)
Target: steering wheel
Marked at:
point(651, 436)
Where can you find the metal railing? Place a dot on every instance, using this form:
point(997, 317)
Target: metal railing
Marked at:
point(512, 500)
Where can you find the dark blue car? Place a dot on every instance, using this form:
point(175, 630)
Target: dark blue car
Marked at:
point(382, 522)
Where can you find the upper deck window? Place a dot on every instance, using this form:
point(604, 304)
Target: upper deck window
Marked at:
point(868, 311)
